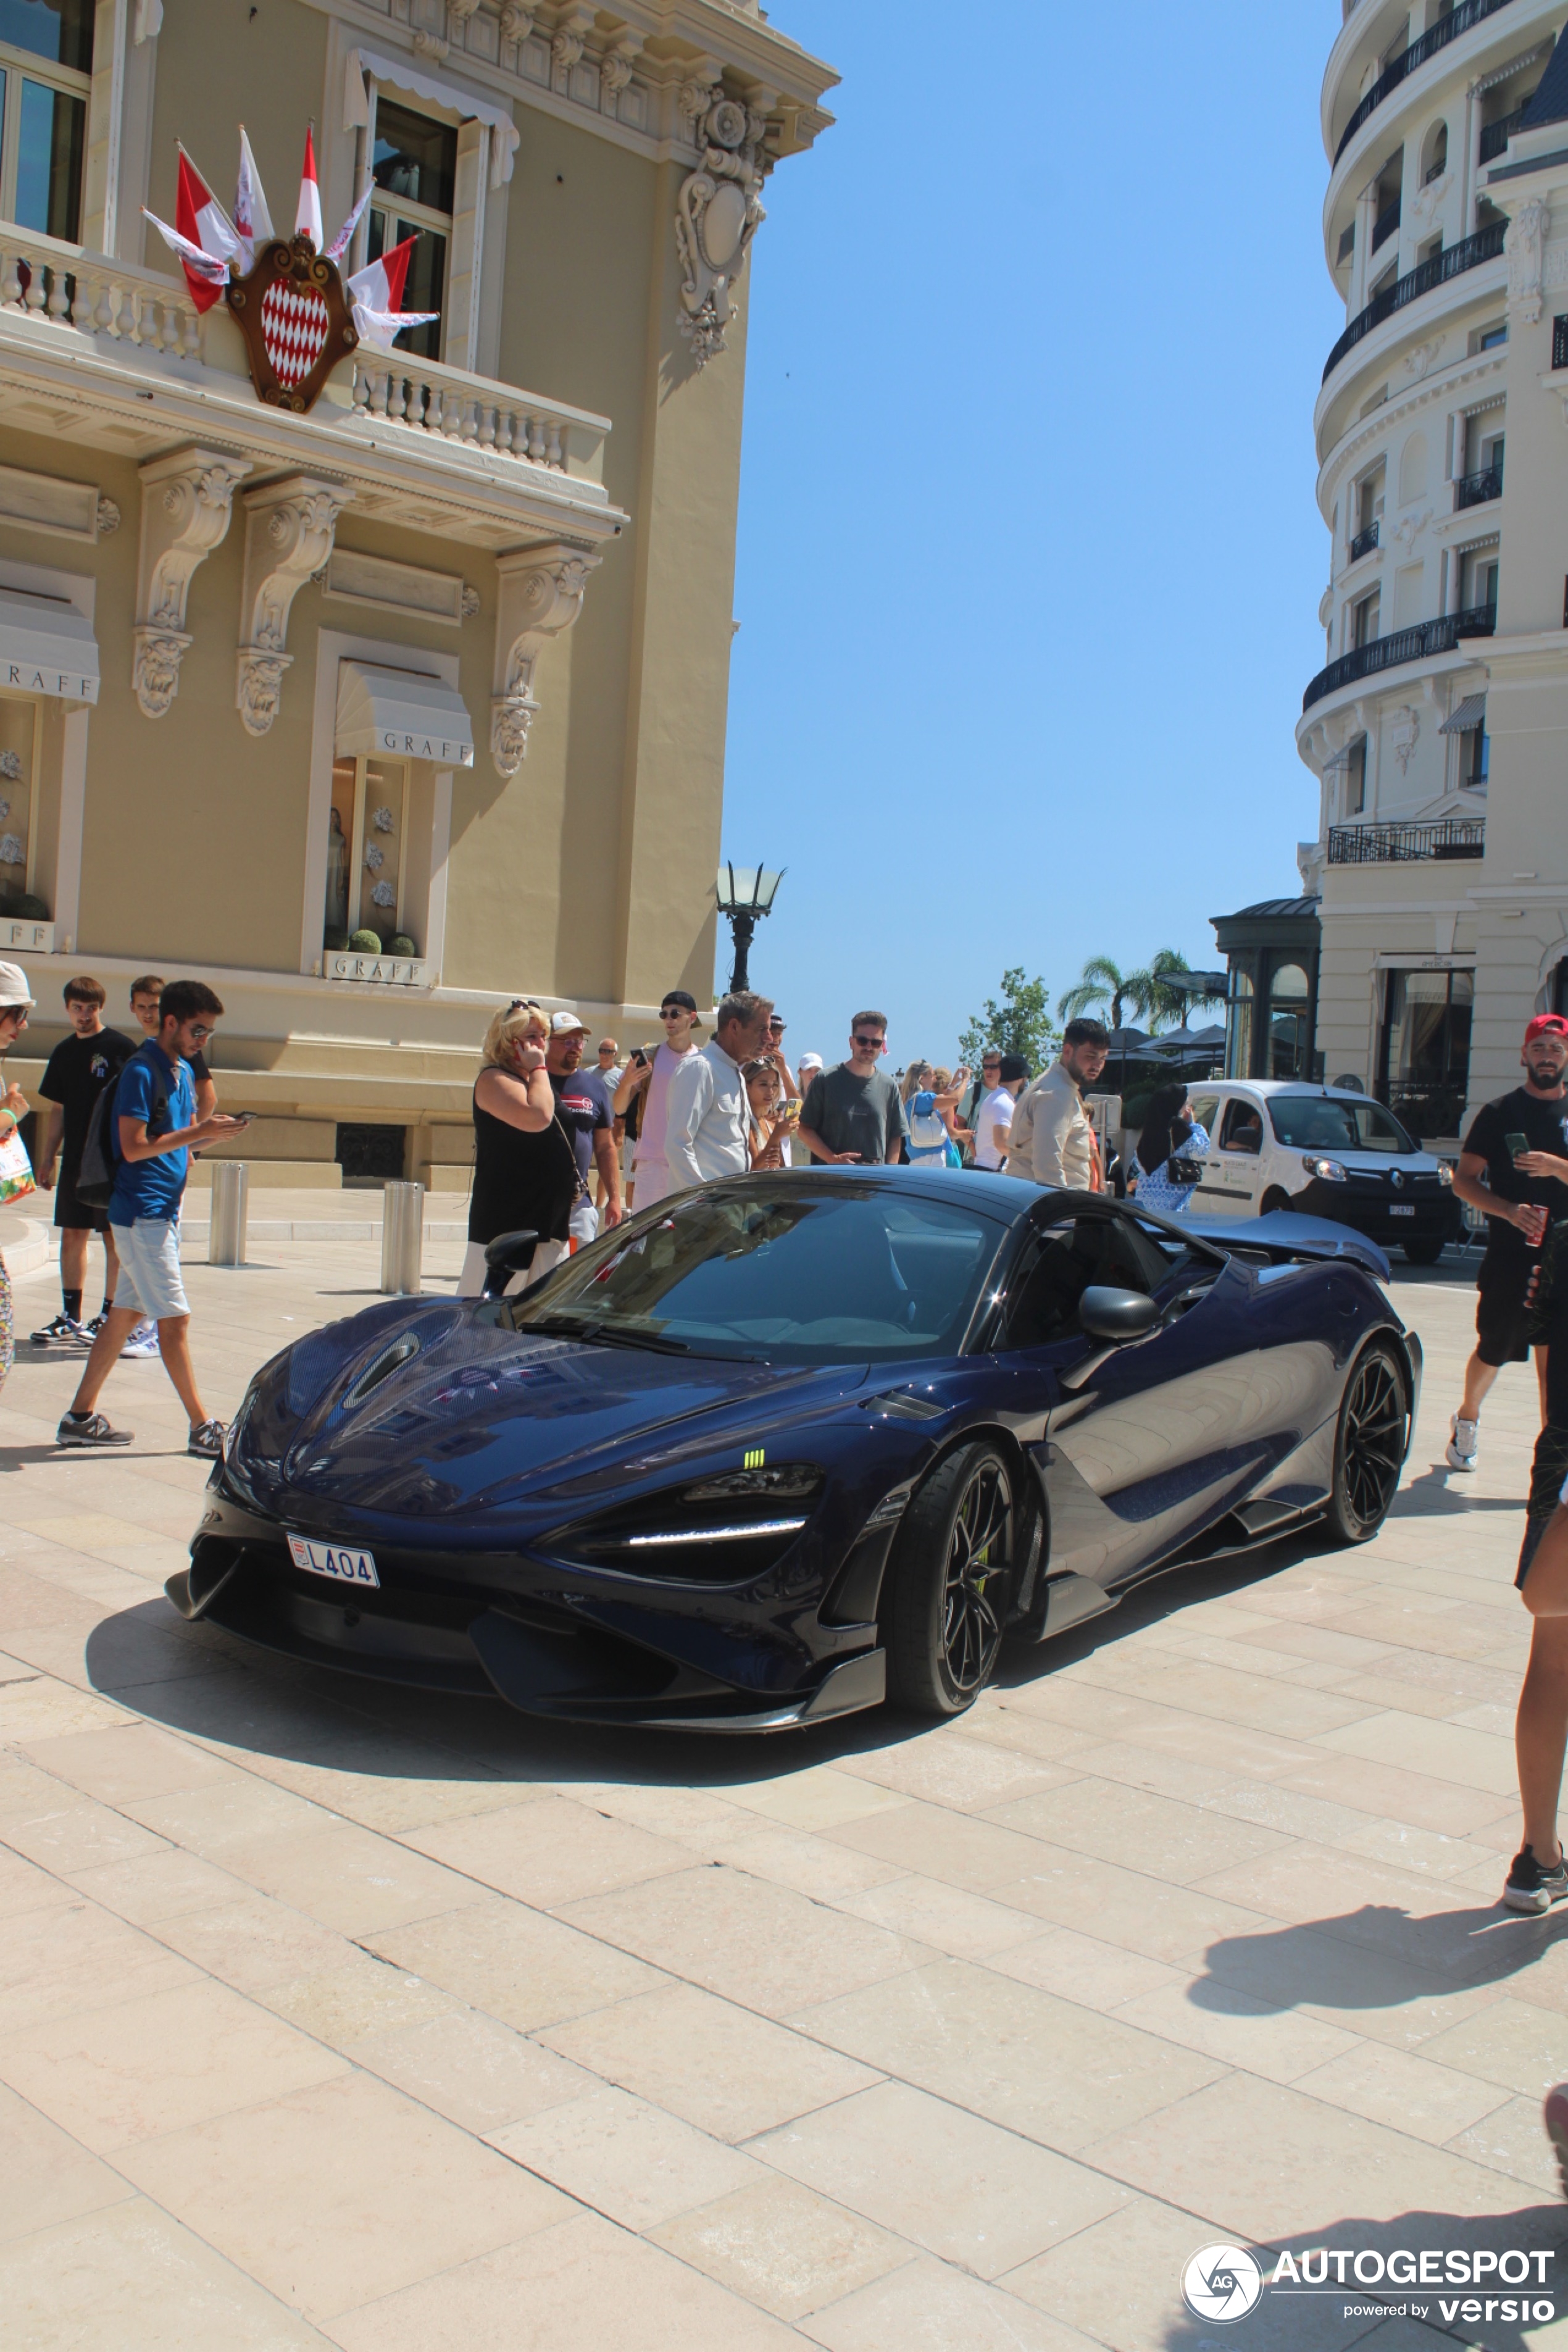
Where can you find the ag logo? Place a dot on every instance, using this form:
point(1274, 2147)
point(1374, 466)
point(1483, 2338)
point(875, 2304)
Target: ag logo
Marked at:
point(1221, 2283)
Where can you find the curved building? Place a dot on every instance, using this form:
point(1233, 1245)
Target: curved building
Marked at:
point(1437, 724)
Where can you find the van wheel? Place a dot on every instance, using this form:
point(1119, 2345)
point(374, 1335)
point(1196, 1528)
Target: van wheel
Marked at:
point(1424, 1253)
point(1274, 1199)
point(949, 1586)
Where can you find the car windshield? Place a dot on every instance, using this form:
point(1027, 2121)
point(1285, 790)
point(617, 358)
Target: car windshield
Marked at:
point(1325, 1123)
point(795, 1272)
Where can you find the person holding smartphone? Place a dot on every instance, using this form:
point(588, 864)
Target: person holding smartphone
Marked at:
point(646, 1082)
point(1514, 1168)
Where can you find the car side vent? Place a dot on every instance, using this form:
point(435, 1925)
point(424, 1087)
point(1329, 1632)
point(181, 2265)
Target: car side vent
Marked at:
point(382, 1367)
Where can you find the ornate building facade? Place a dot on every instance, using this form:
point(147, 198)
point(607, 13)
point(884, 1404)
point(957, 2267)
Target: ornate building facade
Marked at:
point(378, 709)
point(1438, 725)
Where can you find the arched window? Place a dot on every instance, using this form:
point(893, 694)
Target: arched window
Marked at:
point(1238, 1024)
point(1435, 153)
point(1289, 1037)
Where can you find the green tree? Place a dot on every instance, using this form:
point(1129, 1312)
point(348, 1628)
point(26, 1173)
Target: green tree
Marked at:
point(1149, 993)
point(1021, 1023)
point(1101, 982)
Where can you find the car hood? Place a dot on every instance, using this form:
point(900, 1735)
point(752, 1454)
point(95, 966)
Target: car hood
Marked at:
point(481, 1417)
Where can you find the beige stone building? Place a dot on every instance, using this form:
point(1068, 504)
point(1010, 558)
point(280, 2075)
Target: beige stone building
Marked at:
point(442, 657)
point(1438, 726)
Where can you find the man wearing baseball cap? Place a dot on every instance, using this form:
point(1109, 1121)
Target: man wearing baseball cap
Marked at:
point(583, 1109)
point(1511, 1168)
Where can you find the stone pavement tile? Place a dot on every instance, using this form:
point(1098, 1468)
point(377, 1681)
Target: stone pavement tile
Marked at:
point(76, 1832)
point(1165, 1838)
point(817, 1867)
point(1230, 1696)
point(421, 1791)
point(960, 2187)
point(1427, 1919)
point(58, 1959)
point(939, 1843)
point(1022, 2058)
point(25, 1791)
point(1082, 1969)
point(782, 2247)
point(1393, 1791)
point(1375, 1691)
point(1151, 1915)
point(361, 1996)
point(1278, 1806)
point(252, 1941)
point(134, 1760)
point(1321, 1643)
point(25, 1888)
point(471, 2069)
point(1203, 2154)
point(132, 2070)
point(1435, 1748)
point(1243, 1751)
point(995, 1719)
point(518, 1967)
point(130, 2276)
point(205, 1820)
point(49, 2178)
point(549, 1850)
point(818, 1798)
point(1406, 2090)
point(1512, 2140)
point(950, 1919)
point(641, 2299)
point(751, 1941)
point(946, 1769)
point(1230, 2026)
point(157, 1886)
point(1510, 2043)
point(720, 2067)
point(927, 2307)
point(124, 1650)
point(348, 1878)
point(1187, 1777)
point(626, 2157)
point(1363, 1987)
point(668, 1811)
point(340, 2192)
point(36, 1707)
point(1121, 2282)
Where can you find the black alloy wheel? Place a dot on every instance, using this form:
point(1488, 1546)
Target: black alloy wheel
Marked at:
point(1370, 1444)
point(950, 1583)
point(1426, 1253)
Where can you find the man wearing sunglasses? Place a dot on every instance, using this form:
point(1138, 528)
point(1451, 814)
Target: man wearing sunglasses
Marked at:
point(853, 1114)
point(154, 1120)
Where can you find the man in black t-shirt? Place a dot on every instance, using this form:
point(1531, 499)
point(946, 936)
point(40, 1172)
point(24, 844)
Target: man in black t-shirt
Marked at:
point(80, 1068)
point(586, 1108)
point(1514, 1167)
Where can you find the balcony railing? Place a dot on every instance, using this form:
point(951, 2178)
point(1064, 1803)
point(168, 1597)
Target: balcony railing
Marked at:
point(1495, 136)
point(1401, 844)
point(1364, 543)
point(1416, 643)
point(1467, 13)
point(1560, 340)
point(1474, 489)
point(1485, 245)
point(1385, 223)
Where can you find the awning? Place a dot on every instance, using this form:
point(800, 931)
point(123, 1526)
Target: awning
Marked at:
point(1471, 713)
point(402, 714)
point(46, 647)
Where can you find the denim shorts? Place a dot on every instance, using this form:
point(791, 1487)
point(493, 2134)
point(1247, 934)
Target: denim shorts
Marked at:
point(150, 1267)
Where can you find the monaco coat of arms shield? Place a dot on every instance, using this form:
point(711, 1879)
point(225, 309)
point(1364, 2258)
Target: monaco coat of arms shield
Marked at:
point(294, 314)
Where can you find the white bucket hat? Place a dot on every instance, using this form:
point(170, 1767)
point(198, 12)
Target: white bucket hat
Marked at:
point(14, 988)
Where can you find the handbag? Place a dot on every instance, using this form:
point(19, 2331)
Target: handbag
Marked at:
point(15, 1170)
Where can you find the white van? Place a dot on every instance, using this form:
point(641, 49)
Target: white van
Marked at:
point(1323, 1151)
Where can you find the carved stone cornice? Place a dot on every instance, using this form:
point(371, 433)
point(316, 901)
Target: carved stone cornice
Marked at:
point(187, 496)
point(541, 592)
point(289, 526)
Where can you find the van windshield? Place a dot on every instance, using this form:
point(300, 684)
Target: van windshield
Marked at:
point(1316, 1123)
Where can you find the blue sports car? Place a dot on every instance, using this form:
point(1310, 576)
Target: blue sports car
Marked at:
point(779, 1448)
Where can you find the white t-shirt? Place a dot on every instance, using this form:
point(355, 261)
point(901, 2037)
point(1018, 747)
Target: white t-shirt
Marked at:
point(992, 1123)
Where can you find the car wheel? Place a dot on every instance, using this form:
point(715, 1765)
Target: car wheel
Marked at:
point(1274, 1199)
point(1424, 1253)
point(949, 1588)
point(1369, 1444)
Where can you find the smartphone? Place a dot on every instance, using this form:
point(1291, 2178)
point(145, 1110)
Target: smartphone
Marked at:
point(639, 1056)
point(244, 1117)
point(1514, 1144)
point(789, 1109)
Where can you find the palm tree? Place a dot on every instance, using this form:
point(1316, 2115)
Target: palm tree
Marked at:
point(1100, 982)
point(1148, 992)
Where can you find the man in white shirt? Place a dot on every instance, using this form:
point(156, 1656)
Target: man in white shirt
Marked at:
point(1052, 1141)
point(710, 1118)
point(1005, 1076)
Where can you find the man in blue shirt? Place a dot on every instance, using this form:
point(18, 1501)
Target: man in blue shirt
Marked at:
point(154, 1121)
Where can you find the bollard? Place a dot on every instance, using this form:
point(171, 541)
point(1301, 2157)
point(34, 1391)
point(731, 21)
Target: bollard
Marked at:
point(231, 1190)
point(402, 1239)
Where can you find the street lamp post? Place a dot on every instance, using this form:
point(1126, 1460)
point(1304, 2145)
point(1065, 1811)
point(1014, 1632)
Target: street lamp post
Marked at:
point(746, 894)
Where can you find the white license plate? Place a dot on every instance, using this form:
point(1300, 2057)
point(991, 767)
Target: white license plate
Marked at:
point(344, 1563)
point(1401, 1213)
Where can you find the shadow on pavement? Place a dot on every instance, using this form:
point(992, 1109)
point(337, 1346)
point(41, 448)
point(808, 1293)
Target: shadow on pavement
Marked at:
point(1376, 1957)
point(1431, 1495)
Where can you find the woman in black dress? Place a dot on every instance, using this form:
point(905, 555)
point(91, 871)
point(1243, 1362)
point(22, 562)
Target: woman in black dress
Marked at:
point(525, 1170)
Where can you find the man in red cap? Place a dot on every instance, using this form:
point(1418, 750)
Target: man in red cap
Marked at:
point(1514, 1168)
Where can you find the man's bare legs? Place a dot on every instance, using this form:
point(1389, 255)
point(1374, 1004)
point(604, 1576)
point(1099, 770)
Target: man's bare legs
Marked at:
point(1540, 1725)
point(1478, 1379)
point(74, 1240)
point(173, 1345)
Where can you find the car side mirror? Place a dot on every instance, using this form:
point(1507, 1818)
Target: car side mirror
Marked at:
point(508, 1254)
point(1118, 1316)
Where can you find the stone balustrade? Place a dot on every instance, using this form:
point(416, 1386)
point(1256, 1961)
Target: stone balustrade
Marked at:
point(114, 301)
point(471, 408)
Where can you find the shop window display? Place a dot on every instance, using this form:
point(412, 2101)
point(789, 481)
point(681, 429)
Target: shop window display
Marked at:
point(18, 769)
point(367, 825)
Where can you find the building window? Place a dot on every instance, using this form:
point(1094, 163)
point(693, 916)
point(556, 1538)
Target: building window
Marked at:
point(46, 59)
point(367, 828)
point(1423, 1057)
point(1356, 777)
point(1364, 619)
point(21, 723)
point(1238, 1013)
point(1289, 1024)
point(415, 168)
point(1481, 753)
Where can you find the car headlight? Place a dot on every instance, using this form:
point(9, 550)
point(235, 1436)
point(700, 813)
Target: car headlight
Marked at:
point(1330, 1171)
point(1445, 1173)
point(718, 1530)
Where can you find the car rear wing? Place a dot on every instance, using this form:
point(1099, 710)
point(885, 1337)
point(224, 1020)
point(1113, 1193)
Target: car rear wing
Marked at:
point(1282, 1235)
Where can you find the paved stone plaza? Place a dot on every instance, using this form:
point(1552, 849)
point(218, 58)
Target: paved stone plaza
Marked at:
point(331, 2015)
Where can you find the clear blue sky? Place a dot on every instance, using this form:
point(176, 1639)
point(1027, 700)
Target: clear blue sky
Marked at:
point(1029, 561)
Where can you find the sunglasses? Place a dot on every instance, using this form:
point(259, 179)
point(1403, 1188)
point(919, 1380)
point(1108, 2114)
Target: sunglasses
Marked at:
point(870, 1044)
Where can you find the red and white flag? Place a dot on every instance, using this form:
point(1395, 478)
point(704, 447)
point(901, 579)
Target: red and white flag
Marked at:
point(376, 292)
point(252, 220)
point(308, 217)
point(203, 236)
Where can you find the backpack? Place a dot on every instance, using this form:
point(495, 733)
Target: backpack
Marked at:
point(100, 1156)
point(929, 1137)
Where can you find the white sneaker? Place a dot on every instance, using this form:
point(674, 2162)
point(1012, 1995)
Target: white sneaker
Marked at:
point(143, 1340)
point(1464, 1445)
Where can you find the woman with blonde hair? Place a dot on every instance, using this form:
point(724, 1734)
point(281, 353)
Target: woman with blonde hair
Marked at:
point(525, 1170)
